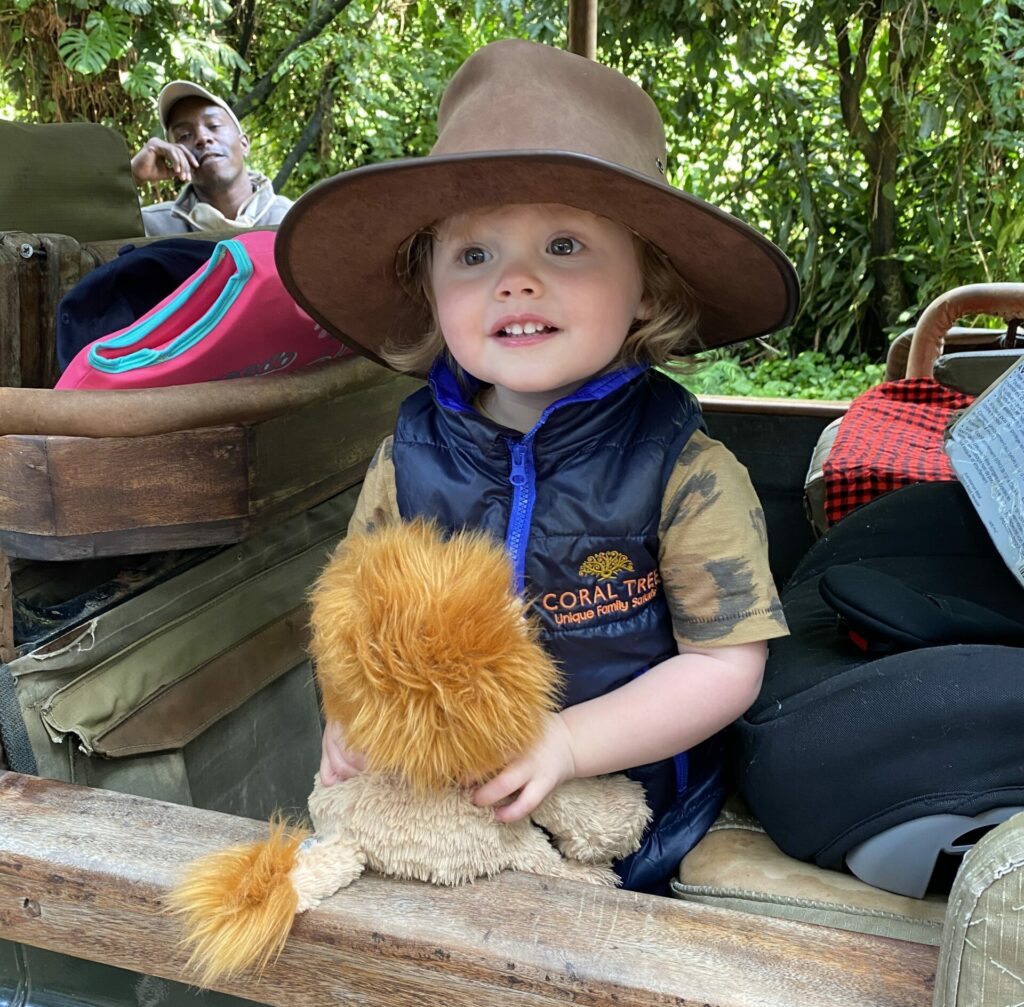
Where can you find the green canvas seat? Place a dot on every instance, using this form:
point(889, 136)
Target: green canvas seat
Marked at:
point(70, 178)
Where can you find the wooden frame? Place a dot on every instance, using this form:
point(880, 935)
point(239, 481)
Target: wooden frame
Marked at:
point(64, 497)
point(85, 872)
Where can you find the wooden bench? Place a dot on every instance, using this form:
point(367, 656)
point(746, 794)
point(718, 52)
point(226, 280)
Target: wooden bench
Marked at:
point(84, 872)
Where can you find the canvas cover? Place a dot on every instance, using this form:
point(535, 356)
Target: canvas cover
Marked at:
point(196, 690)
point(70, 178)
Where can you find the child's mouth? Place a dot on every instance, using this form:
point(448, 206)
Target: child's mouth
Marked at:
point(525, 329)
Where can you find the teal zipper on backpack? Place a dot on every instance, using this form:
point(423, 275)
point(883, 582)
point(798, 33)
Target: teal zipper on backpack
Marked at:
point(195, 333)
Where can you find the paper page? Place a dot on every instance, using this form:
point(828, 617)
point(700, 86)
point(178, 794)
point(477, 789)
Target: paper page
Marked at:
point(986, 448)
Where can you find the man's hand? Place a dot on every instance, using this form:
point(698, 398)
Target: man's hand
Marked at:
point(534, 775)
point(338, 762)
point(160, 160)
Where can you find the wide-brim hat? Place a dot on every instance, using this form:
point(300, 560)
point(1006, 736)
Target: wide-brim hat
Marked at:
point(176, 90)
point(522, 122)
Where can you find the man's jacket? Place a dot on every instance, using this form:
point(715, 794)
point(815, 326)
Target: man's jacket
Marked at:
point(186, 213)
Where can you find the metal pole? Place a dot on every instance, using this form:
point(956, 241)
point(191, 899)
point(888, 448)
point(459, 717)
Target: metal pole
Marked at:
point(583, 28)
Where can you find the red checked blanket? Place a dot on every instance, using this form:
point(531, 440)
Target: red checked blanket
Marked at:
point(890, 437)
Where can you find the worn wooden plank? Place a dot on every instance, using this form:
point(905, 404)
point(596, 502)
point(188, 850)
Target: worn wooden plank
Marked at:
point(6, 610)
point(19, 301)
point(138, 412)
point(26, 500)
point(84, 872)
point(68, 486)
point(131, 541)
point(64, 265)
point(159, 538)
point(292, 452)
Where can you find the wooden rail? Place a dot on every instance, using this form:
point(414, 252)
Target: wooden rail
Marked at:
point(84, 872)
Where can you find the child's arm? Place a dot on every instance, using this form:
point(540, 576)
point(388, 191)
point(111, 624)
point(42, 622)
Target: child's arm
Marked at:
point(667, 710)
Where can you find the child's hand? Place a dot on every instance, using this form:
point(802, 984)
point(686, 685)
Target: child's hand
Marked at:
point(534, 774)
point(338, 762)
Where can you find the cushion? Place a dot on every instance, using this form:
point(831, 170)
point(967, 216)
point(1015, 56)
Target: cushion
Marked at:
point(736, 866)
point(981, 963)
point(69, 178)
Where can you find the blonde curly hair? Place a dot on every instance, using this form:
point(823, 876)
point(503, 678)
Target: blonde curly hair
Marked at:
point(665, 339)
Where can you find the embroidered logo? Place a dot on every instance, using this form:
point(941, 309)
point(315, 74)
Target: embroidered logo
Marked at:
point(606, 565)
point(611, 595)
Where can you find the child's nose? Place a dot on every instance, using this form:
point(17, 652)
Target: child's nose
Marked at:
point(518, 281)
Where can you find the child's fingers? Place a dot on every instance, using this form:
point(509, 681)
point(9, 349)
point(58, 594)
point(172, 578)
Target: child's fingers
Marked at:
point(507, 782)
point(529, 797)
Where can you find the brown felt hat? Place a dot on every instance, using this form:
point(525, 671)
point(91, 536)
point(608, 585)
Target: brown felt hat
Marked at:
point(522, 122)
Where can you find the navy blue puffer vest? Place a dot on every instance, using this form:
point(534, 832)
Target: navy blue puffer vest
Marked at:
point(577, 501)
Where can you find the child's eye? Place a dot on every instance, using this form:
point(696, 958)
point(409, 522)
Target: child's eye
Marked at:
point(563, 246)
point(474, 256)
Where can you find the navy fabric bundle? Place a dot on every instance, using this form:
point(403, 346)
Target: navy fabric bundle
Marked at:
point(124, 289)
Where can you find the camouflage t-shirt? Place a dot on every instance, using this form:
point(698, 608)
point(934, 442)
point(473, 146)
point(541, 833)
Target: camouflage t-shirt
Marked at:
point(713, 548)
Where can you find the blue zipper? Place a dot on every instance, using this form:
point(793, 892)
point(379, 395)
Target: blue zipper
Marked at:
point(523, 473)
point(523, 479)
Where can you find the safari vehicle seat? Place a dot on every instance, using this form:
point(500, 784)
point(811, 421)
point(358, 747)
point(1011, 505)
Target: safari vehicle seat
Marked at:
point(70, 178)
point(961, 360)
point(864, 750)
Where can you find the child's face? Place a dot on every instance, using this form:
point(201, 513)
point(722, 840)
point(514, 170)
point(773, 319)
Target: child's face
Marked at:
point(535, 298)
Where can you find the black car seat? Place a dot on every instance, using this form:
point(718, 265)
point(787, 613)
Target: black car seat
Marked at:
point(890, 727)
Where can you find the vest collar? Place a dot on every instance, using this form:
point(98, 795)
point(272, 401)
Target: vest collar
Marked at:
point(456, 397)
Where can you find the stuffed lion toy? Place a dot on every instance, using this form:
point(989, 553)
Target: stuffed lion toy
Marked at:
point(429, 662)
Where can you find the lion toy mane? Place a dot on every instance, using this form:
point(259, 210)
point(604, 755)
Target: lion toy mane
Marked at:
point(433, 668)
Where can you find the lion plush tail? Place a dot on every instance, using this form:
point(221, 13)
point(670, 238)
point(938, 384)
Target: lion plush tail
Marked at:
point(237, 905)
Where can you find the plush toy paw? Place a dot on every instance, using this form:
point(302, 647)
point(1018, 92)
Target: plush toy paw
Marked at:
point(595, 819)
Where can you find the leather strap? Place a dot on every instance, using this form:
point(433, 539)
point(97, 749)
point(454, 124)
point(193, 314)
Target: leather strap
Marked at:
point(16, 748)
point(6, 610)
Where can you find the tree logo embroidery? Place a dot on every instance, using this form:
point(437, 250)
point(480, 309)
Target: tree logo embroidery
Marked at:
point(606, 565)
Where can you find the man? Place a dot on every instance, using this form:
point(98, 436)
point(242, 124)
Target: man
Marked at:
point(204, 147)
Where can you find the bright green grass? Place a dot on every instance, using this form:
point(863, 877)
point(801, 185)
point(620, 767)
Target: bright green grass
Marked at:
point(808, 375)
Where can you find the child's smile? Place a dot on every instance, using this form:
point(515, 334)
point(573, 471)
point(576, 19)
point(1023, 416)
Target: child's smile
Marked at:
point(521, 327)
point(535, 298)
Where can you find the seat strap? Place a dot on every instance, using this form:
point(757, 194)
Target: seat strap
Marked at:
point(13, 734)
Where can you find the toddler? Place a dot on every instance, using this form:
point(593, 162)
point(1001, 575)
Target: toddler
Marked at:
point(535, 266)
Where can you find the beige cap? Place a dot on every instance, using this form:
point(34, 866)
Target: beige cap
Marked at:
point(173, 92)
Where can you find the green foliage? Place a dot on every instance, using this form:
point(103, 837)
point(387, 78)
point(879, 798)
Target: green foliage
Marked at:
point(106, 36)
point(876, 143)
point(751, 93)
point(808, 375)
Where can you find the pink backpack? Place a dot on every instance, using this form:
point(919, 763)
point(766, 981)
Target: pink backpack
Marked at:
point(231, 319)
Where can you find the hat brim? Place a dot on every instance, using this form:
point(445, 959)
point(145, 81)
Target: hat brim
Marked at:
point(336, 246)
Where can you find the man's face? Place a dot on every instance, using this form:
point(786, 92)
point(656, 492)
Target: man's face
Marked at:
point(207, 131)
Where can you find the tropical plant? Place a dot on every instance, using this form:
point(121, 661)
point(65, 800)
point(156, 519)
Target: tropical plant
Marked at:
point(876, 142)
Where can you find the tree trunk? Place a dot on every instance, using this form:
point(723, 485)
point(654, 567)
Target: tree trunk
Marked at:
point(880, 148)
point(889, 297)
